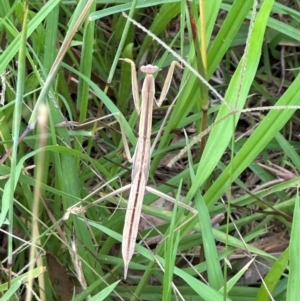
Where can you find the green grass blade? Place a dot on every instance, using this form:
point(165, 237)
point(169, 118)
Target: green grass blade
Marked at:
point(220, 135)
point(272, 278)
point(105, 292)
point(293, 288)
point(9, 202)
point(13, 47)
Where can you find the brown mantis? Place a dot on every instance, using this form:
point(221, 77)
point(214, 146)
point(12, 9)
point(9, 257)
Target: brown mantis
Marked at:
point(142, 155)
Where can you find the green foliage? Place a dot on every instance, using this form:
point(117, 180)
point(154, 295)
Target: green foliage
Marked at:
point(69, 58)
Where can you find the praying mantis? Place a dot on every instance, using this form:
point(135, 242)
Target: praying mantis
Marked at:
point(142, 155)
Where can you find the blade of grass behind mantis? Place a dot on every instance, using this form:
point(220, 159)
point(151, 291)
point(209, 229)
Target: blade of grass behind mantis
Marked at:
point(85, 65)
point(167, 12)
point(293, 288)
point(170, 249)
point(220, 135)
point(51, 32)
point(272, 278)
point(8, 203)
point(122, 42)
point(102, 295)
point(86, 69)
point(235, 18)
point(214, 271)
point(5, 7)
